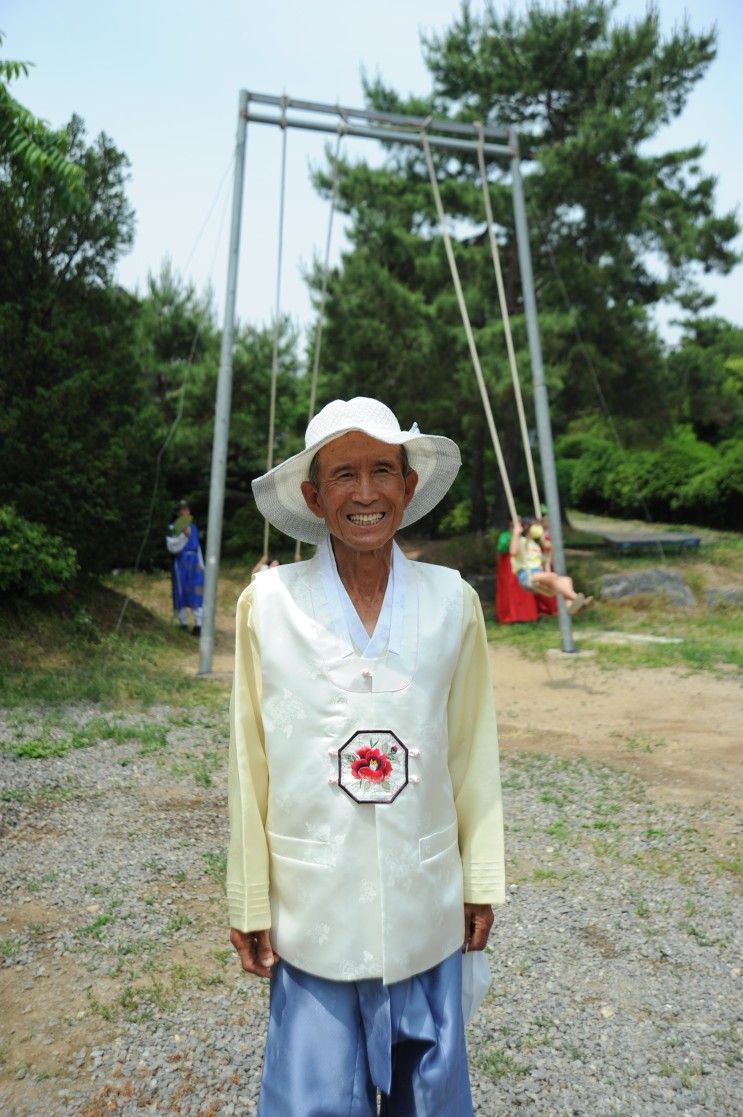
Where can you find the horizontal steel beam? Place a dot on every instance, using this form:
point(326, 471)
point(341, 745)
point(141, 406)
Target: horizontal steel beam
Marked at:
point(438, 124)
point(383, 134)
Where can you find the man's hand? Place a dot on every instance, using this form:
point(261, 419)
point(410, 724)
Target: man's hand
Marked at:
point(478, 919)
point(255, 950)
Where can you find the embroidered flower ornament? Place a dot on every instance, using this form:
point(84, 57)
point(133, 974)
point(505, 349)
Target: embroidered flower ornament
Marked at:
point(372, 764)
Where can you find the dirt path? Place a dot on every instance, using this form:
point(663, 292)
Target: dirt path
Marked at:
point(681, 734)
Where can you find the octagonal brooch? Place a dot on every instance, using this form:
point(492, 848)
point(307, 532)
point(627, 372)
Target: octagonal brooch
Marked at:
point(373, 766)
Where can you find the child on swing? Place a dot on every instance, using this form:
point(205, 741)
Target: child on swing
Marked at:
point(531, 563)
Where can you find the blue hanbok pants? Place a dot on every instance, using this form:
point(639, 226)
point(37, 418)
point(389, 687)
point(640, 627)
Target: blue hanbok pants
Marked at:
point(332, 1044)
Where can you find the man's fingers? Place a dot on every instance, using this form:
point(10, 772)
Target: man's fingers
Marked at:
point(479, 936)
point(478, 919)
point(266, 956)
point(255, 951)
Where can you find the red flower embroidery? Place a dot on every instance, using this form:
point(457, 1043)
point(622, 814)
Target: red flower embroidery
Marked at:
point(372, 764)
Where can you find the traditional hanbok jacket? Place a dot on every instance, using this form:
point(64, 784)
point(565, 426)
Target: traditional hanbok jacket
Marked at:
point(364, 793)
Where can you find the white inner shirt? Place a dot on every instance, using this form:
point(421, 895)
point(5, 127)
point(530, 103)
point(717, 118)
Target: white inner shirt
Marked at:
point(347, 623)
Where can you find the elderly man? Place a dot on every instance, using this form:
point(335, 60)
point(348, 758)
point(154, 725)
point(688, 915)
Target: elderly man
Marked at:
point(366, 831)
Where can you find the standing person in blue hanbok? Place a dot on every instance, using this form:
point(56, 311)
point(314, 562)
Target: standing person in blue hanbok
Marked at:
point(366, 836)
point(187, 568)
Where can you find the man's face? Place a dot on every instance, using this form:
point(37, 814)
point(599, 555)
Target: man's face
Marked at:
point(361, 491)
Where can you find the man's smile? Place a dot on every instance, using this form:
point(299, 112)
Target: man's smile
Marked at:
point(365, 519)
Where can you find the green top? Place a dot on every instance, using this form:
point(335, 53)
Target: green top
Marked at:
point(504, 543)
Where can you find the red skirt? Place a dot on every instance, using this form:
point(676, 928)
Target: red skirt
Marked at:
point(514, 604)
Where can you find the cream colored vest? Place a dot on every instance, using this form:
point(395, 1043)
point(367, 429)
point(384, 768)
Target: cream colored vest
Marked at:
point(360, 888)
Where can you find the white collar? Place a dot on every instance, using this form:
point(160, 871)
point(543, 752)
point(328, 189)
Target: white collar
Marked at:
point(347, 625)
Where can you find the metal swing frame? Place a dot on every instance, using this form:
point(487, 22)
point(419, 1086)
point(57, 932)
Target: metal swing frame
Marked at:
point(476, 140)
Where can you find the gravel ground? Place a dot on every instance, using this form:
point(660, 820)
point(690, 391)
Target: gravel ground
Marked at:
point(616, 960)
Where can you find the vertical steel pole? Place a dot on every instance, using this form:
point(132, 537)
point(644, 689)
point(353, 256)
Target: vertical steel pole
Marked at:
point(223, 403)
point(541, 402)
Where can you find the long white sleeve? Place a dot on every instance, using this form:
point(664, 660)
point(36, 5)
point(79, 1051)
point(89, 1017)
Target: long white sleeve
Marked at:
point(176, 543)
point(247, 860)
point(474, 763)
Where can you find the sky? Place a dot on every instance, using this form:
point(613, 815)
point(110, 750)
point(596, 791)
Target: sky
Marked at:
point(162, 80)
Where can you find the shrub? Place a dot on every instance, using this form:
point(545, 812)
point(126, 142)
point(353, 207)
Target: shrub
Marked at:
point(457, 520)
point(32, 560)
point(683, 479)
point(585, 461)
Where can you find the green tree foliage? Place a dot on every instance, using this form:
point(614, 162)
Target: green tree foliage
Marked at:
point(75, 443)
point(249, 429)
point(707, 377)
point(615, 230)
point(32, 560)
point(28, 143)
point(178, 345)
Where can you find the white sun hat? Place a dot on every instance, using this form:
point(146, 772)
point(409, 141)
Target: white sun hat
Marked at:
point(434, 458)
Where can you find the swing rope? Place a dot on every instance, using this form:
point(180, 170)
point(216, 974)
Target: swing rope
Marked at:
point(323, 297)
point(325, 277)
point(507, 323)
point(276, 325)
point(468, 328)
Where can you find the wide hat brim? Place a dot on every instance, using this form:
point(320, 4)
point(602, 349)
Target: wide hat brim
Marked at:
point(435, 458)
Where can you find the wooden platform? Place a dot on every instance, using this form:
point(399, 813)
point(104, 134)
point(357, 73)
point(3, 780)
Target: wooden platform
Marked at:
point(650, 540)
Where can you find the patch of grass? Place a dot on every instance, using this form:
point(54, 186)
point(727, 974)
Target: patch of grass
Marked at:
point(611, 850)
point(673, 864)
point(709, 641)
point(733, 865)
point(532, 640)
point(153, 738)
point(16, 795)
point(604, 807)
point(545, 874)
point(699, 935)
point(38, 795)
point(117, 672)
point(202, 774)
point(9, 947)
point(48, 655)
point(94, 930)
point(560, 831)
point(177, 923)
point(38, 748)
point(200, 766)
point(499, 1064)
point(139, 946)
point(642, 744)
point(100, 1008)
point(141, 1002)
point(215, 865)
point(540, 1035)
